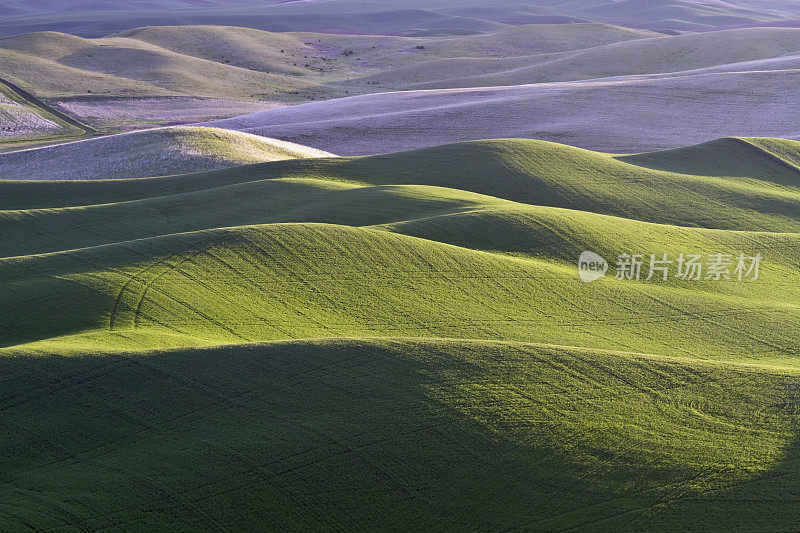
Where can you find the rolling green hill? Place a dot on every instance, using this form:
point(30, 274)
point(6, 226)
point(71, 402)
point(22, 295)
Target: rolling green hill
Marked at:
point(402, 342)
point(399, 434)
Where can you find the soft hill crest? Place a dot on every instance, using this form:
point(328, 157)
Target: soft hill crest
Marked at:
point(177, 150)
point(546, 173)
point(240, 284)
point(517, 170)
point(760, 158)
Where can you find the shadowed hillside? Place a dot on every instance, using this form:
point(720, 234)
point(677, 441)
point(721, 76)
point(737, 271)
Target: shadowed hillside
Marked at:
point(468, 434)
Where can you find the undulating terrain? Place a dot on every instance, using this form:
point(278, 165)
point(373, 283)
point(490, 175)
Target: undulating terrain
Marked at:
point(313, 265)
point(402, 341)
point(595, 85)
point(220, 71)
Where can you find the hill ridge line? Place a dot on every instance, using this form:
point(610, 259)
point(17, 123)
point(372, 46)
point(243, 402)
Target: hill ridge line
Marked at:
point(244, 227)
point(127, 352)
point(766, 153)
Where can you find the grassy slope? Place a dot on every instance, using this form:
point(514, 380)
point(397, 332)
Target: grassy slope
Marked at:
point(48, 78)
point(179, 60)
point(290, 52)
point(395, 434)
point(764, 197)
point(169, 151)
point(165, 304)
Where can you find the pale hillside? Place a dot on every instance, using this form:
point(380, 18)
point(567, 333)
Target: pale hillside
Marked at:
point(17, 122)
point(148, 153)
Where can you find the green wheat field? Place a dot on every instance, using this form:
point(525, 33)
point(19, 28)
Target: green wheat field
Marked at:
point(402, 342)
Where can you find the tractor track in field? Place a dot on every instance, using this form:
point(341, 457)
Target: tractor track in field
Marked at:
point(38, 103)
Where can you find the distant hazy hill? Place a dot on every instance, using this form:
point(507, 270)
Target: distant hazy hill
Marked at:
point(55, 64)
point(723, 49)
point(719, 76)
point(624, 114)
point(381, 16)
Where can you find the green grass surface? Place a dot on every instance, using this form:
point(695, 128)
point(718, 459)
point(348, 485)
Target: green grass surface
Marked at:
point(402, 341)
point(399, 434)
